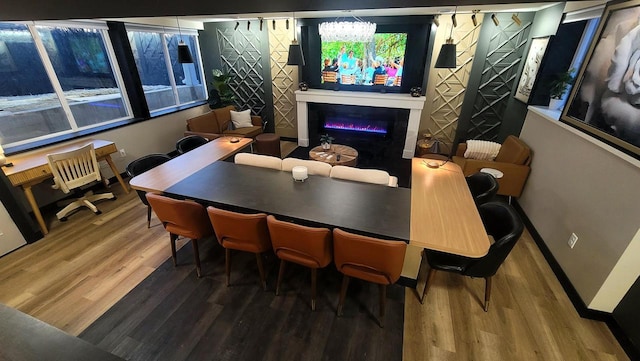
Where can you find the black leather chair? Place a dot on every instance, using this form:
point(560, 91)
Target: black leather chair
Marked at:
point(190, 142)
point(501, 222)
point(142, 165)
point(483, 187)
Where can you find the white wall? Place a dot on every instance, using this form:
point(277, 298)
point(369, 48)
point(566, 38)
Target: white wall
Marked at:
point(579, 184)
point(10, 236)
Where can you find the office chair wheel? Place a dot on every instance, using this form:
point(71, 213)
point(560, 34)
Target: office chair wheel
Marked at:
point(63, 219)
point(114, 198)
point(98, 212)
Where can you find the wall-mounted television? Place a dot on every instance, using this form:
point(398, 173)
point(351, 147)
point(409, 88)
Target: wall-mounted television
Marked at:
point(393, 61)
point(379, 61)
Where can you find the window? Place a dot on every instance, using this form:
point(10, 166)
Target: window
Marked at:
point(166, 82)
point(57, 79)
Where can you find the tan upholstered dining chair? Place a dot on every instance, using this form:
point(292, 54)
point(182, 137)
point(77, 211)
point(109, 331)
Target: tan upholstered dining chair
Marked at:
point(370, 259)
point(182, 218)
point(306, 246)
point(241, 232)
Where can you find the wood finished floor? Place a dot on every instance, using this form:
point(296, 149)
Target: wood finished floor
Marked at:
point(86, 265)
point(173, 315)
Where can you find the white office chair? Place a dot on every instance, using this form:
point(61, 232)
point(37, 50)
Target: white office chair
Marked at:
point(374, 176)
point(72, 170)
point(258, 160)
point(313, 166)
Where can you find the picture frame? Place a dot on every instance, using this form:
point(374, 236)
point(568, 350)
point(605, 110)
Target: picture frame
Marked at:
point(605, 100)
point(531, 68)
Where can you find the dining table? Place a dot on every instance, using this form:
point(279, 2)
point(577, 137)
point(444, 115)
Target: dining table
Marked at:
point(367, 209)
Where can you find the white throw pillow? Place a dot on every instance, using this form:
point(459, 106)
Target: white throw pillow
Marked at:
point(482, 149)
point(241, 119)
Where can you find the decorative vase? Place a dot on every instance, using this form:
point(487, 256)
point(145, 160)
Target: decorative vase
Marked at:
point(303, 86)
point(326, 146)
point(555, 104)
point(415, 91)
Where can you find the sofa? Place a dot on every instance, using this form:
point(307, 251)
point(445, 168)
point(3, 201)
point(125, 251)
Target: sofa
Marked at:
point(513, 160)
point(217, 123)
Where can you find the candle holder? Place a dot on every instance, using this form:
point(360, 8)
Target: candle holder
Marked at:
point(299, 173)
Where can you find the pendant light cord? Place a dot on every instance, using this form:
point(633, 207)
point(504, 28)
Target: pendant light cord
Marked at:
point(179, 31)
point(294, 27)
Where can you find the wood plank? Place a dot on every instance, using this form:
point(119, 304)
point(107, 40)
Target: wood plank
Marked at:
point(443, 214)
point(167, 174)
point(530, 317)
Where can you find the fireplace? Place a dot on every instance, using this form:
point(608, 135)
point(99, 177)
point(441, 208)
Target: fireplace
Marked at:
point(374, 120)
point(378, 134)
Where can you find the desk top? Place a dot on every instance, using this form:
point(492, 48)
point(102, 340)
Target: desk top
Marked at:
point(33, 166)
point(444, 216)
point(165, 175)
point(363, 208)
point(26, 338)
point(26, 161)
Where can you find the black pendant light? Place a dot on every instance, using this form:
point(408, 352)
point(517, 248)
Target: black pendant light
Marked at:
point(184, 54)
point(296, 57)
point(447, 57)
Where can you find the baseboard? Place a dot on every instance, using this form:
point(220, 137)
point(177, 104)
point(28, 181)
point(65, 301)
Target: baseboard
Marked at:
point(573, 295)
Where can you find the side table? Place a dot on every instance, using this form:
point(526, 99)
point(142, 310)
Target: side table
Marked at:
point(348, 156)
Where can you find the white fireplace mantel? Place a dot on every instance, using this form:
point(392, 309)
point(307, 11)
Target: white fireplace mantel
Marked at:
point(366, 99)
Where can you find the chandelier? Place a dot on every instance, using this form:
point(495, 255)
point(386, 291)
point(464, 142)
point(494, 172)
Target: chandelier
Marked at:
point(356, 31)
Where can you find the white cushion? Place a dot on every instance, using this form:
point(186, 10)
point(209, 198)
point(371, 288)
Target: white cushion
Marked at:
point(393, 181)
point(374, 176)
point(241, 119)
point(482, 149)
point(258, 160)
point(313, 166)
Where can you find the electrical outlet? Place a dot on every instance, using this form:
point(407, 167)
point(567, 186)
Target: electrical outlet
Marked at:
point(123, 153)
point(572, 240)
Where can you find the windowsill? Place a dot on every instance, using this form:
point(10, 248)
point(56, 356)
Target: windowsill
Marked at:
point(98, 129)
point(162, 112)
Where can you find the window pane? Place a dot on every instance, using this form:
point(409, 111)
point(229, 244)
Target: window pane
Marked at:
point(152, 68)
point(187, 75)
point(29, 107)
point(81, 63)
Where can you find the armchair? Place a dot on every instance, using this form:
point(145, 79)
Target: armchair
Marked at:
point(513, 161)
point(215, 124)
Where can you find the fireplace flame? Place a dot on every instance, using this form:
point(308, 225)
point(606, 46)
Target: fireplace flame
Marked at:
point(367, 128)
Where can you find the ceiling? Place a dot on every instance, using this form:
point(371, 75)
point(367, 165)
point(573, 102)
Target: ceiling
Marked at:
point(196, 21)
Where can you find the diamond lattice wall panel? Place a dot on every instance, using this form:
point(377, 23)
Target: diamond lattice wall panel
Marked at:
point(241, 57)
point(505, 52)
point(284, 80)
point(446, 87)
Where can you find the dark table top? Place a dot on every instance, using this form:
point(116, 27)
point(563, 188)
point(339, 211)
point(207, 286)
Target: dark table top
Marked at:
point(26, 338)
point(362, 208)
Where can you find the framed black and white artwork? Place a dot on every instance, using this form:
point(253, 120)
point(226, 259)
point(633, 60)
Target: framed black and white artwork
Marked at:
point(605, 101)
point(531, 68)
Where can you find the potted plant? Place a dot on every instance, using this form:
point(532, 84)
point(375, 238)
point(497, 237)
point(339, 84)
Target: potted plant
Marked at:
point(558, 87)
point(326, 140)
point(220, 94)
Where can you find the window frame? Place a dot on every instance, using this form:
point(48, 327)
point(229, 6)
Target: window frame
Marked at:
point(162, 31)
point(99, 26)
point(129, 95)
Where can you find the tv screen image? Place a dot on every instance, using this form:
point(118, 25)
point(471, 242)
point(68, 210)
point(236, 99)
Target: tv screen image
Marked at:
point(378, 62)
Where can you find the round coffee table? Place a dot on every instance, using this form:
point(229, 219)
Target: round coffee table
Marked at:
point(348, 156)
